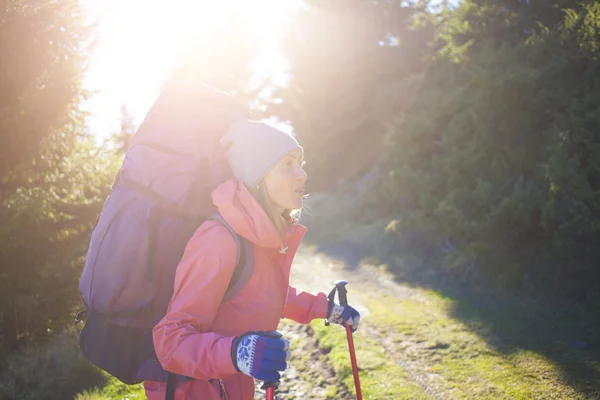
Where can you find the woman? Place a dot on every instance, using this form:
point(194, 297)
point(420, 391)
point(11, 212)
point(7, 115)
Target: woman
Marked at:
point(224, 346)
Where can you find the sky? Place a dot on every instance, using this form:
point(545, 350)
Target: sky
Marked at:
point(137, 46)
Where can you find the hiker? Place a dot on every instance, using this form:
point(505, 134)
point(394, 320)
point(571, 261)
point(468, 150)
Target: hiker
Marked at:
point(224, 345)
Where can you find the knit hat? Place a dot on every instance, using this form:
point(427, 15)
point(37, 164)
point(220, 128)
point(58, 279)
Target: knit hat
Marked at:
point(253, 148)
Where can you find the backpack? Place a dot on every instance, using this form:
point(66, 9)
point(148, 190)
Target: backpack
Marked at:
point(160, 196)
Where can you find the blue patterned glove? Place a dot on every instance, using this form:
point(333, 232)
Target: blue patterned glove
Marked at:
point(339, 314)
point(261, 355)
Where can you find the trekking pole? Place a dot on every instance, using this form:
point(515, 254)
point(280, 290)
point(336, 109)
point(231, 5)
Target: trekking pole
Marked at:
point(271, 393)
point(340, 287)
point(269, 387)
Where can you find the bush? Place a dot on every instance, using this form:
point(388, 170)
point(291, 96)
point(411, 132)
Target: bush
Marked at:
point(499, 160)
point(43, 239)
point(52, 370)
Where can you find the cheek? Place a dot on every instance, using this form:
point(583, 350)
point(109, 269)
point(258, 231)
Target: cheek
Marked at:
point(280, 187)
point(279, 180)
point(274, 185)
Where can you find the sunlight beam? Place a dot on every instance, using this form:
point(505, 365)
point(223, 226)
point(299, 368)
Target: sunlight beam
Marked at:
point(141, 41)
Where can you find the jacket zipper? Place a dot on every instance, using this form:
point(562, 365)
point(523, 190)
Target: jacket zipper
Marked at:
point(223, 391)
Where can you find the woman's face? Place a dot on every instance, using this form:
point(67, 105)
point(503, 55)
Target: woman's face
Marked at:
point(285, 182)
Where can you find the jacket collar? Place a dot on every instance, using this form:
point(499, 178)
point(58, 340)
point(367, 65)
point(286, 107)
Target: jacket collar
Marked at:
point(241, 210)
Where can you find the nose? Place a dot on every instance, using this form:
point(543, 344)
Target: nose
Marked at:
point(301, 174)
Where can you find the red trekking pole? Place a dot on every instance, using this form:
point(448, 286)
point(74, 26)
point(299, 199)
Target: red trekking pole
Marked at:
point(340, 287)
point(271, 393)
point(269, 387)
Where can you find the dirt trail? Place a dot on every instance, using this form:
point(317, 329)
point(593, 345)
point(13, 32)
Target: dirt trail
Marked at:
point(309, 375)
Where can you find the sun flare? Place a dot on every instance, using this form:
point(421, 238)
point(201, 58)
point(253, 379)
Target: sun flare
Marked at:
point(140, 41)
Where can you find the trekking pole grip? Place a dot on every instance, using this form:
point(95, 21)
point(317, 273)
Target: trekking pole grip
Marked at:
point(340, 288)
point(342, 292)
point(269, 388)
point(267, 384)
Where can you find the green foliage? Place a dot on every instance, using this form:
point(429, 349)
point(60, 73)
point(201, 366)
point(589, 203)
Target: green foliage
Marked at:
point(53, 369)
point(352, 64)
point(113, 389)
point(52, 179)
point(44, 236)
point(499, 157)
point(44, 49)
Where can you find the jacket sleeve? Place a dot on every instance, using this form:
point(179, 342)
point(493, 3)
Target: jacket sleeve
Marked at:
point(303, 307)
point(181, 340)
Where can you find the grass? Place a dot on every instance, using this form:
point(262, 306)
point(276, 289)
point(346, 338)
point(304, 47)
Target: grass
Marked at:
point(113, 389)
point(485, 356)
point(459, 346)
point(53, 369)
point(431, 340)
point(458, 359)
point(380, 377)
point(307, 375)
point(464, 345)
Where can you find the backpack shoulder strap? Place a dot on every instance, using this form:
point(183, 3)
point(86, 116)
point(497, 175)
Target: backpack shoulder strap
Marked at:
point(244, 264)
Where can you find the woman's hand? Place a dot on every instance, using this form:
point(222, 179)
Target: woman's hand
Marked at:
point(261, 355)
point(339, 314)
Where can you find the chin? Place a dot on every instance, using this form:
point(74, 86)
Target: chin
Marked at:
point(295, 205)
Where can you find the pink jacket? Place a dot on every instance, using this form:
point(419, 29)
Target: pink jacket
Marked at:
point(194, 337)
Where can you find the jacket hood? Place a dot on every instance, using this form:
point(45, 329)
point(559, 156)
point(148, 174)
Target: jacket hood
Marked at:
point(241, 210)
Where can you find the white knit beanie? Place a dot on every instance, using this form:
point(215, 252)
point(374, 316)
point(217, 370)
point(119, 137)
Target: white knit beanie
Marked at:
point(253, 148)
